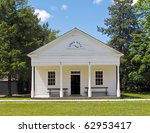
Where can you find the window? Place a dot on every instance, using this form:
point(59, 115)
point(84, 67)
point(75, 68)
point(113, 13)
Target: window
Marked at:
point(51, 78)
point(99, 77)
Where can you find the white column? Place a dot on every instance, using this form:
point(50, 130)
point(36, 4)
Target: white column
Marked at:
point(118, 82)
point(32, 83)
point(61, 81)
point(89, 80)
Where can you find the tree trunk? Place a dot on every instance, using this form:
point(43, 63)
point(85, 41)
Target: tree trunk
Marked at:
point(9, 85)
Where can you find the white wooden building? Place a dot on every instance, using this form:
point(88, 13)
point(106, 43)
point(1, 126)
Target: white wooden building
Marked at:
point(75, 64)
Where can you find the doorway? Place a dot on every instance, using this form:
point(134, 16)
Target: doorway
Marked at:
point(75, 82)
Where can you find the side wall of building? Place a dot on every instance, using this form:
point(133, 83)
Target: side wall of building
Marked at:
point(4, 87)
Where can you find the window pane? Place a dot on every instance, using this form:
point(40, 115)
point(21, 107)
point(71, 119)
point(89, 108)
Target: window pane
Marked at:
point(48, 75)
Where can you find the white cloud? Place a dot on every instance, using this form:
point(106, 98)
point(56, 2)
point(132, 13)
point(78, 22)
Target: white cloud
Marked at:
point(97, 1)
point(134, 1)
point(64, 7)
point(43, 15)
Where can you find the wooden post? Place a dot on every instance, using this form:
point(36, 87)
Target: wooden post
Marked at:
point(89, 80)
point(118, 82)
point(33, 82)
point(61, 81)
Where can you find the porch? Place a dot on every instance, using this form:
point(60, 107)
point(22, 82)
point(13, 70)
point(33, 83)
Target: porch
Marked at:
point(75, 81)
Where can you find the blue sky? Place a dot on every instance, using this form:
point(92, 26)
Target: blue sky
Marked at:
point(64, 15)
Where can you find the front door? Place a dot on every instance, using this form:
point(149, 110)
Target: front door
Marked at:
point(75, 84)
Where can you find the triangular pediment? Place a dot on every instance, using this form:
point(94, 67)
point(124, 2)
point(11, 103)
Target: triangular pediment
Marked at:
point(75, 43)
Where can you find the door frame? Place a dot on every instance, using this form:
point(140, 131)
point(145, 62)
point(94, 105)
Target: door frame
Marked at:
point(75, 72)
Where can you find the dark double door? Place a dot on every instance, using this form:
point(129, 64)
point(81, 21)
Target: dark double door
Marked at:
point(75, 84)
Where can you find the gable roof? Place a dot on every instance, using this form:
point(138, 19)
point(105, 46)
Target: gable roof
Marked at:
point(39, 50)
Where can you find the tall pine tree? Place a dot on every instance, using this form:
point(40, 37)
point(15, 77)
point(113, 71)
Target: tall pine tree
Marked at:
point(121, 26)
point(140, 49)
point(20, 33)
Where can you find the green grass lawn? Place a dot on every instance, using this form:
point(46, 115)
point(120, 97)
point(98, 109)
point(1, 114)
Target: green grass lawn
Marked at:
point(123, 96)
point(126, 108)
point(16, 97)
point(136, 95)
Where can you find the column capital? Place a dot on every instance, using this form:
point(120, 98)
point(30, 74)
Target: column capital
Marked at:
point(118, 65)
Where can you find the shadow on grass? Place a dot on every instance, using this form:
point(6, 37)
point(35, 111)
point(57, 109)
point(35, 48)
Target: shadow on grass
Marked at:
point(135, 95)
point(16, 96)
point(124, 96)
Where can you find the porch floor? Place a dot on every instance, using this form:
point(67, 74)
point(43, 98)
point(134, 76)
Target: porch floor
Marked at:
point(79, 97)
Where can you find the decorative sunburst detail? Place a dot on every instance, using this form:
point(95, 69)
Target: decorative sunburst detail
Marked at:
point(75, 44)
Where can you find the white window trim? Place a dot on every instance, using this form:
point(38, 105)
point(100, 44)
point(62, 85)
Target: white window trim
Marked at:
point(95, 78)
point(75, 73)
point(80, 78)
point(55, 78)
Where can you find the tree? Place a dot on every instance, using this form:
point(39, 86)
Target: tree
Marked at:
point(140, 49)
point(20, 33)
point(121, 26)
